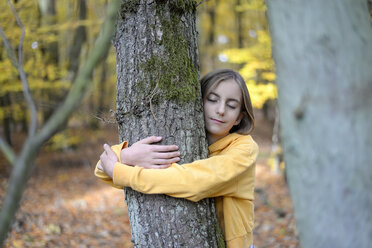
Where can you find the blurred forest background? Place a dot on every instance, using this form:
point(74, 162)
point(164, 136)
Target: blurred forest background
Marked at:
point(59, 35)
point(64, 205)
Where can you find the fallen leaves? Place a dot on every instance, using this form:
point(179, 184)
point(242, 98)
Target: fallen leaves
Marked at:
point(64, 205)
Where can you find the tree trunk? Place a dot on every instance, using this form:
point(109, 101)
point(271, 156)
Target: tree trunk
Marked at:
point(159, 94)
point(80, 36)
point(239, 23)
point(322, 50)
point(48, 17)
point(47, 9)
point(101, 87)
point(24, 162)
point(5, 103)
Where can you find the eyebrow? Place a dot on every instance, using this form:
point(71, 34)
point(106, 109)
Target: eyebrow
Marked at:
point(229, 99)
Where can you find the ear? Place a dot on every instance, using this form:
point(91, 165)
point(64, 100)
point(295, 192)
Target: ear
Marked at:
point(238, 120)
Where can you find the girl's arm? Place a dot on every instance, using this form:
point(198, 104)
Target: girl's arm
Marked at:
point(142, 153)
point(215, 176)
point(146, 154)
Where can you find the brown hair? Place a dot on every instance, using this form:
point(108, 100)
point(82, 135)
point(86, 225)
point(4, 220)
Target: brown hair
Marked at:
point(215, 77)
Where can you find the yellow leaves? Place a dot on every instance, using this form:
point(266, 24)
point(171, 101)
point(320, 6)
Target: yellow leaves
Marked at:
point(252, 5)
point(268, 76)
point(264, 37)
point(260, 93)
point(51, 72)
point(17, 244)
point(64, 140)
point(63, 177)
point(69, 25)
point(250, 69)
point(239, 55)
point(34, 84)
point(257, 65)
point(52, 229)
point(16, 111)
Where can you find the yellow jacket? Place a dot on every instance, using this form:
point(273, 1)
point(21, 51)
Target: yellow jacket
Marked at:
point(228, 174)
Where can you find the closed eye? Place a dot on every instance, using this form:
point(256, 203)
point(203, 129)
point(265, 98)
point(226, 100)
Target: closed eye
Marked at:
point(211, 100)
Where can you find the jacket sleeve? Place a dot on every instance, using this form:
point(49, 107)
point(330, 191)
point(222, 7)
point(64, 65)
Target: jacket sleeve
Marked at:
point(200, 179)
point(101, 174)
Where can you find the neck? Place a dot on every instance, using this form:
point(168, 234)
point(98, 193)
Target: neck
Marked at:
point(212, 139)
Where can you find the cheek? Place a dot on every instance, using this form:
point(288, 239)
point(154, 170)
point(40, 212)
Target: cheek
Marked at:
point(236, 115)
point(207, 109)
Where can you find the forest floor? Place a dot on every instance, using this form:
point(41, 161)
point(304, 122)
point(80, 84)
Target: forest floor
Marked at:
point(64, 205)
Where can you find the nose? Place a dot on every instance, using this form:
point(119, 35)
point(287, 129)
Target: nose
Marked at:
point(221, 109)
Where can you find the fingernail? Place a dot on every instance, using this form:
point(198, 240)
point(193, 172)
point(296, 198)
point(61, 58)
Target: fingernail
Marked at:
point(159, 137)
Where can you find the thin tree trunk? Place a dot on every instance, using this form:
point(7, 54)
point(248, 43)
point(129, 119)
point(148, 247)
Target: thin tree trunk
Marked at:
point(239, 24)
point(101, 87)
point(158, 94)
point(5, 103)
point(48, 17)
point(323, 56)
point(24, 162)
point(47, 9)
point(80, 36)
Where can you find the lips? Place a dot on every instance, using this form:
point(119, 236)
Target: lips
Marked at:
point(216, 121)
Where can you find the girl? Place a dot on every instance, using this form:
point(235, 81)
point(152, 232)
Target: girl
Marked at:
point(228, 174)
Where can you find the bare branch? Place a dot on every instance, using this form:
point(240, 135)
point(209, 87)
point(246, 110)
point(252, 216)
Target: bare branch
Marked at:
point(22, 74)
point(24, 162)
point(7, 150)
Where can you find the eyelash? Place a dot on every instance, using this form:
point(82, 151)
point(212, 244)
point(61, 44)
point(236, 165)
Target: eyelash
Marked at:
point(212, 100)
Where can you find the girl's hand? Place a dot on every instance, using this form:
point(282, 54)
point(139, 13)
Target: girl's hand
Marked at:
point(108, 159)
point(146, 155)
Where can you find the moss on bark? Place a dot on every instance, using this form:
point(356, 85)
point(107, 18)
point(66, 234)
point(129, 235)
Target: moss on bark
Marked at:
point(173, 75)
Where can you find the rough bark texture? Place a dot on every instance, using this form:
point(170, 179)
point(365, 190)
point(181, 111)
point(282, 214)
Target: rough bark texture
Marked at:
point(158, 94)
point(322, 50)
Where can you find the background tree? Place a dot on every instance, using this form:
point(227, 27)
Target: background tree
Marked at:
point(159, 94)
point(80, 36)
point(322, 52)
point(24, 162)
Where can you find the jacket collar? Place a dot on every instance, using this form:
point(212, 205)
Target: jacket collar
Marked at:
point(223, 143)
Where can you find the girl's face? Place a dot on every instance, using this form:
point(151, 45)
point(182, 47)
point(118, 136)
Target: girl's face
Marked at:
point(222, 109)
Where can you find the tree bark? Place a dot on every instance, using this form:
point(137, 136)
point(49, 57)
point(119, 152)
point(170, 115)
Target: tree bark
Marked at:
point(158, 94)
point(322, 51)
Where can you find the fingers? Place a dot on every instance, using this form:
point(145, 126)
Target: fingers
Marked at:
point(99, 166)
point(150, 140)
point(164, 148)
point(103, 156)
point(157, 148)
point(106, 148)
point(167, 155)
point(108, 155)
